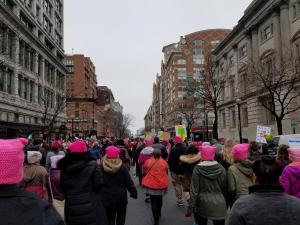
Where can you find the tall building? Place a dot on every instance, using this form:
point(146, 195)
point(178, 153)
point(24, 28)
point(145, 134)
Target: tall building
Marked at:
point(182, 68)
point(81, 95)
point(32, 73)
point(269, 31)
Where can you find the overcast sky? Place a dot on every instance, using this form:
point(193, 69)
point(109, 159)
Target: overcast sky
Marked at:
point(124, 39)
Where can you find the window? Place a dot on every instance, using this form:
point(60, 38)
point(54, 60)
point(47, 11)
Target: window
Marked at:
point(20, 85)
point(47, 25)
point(40, 94)
point(9, 3)
point(267, 33)
point(58, 39)
point(198, 42)
point(296, 9)
point(222, 92)
point(181, 73)
point(244, 84)
point(58, 6)
point(269, 117)
point(243, 52)
point(58, 24)
point(28, 3)
point(198, 56)
point(232, 88)
point(244, 111)
point(268, 67)
point(9, 81)
point(6, 41)
point(31, 86)
point(26, 22)
point(223, 116)
point(181, 94)
point(2, 79)
point(181, 61)
point(214, 44)
point(231, 61)
point(76, 114)
point(198, 73)
point(297, 54)
point(47, 7)
point(233, 119)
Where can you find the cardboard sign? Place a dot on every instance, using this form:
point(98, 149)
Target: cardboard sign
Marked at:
point(181, 131)
point(261, 132)
point(294, 142)
point(164, 136)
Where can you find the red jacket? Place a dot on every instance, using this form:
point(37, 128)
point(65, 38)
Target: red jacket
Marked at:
point(156, 174)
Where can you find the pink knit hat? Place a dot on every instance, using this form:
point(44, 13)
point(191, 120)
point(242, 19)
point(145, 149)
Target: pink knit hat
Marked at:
point(208, 153)
point(78, 147)
point(112, 152)
point(11, 160)
point(178, 139)
point(56, 144)
point(294, 154)
point(148, 143)
point(240, 151)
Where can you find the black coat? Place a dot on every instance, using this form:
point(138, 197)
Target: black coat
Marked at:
point(81, 179)
point(19, 207)
point(115, 187)
point(174, 161)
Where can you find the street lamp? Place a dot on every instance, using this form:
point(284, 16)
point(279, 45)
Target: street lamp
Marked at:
point(238, 102)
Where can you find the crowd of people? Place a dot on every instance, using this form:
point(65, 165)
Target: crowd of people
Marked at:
point(86, 181)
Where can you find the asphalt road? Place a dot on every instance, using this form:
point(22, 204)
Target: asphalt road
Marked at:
point(139, 212)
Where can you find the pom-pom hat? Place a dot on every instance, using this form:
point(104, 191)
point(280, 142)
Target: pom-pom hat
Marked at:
point(11, 160)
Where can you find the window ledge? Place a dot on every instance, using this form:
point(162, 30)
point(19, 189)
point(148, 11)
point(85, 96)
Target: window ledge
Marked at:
point(264, 41)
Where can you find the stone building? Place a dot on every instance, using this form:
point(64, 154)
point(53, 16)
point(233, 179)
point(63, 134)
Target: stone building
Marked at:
point(81, 95)
point(182, 69)
point(268, 31)
point(32, 73)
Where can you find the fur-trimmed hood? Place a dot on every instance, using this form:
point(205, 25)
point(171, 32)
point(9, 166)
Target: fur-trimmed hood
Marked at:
point(111, 165)
point(190, 158)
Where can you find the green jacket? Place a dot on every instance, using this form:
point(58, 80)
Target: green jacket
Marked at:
point(208, 191)
point(239, 180)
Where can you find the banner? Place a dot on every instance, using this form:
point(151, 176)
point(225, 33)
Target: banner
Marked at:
point(181, 131)
point(164, 136)
point(294, 142)
point(261, 133)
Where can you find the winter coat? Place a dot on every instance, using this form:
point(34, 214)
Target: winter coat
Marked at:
point(265, 205)
point(208, 191)
point(156, 174)
point(81, 179)
point(117, 182)
point(239, 180)
point(163, 149)
point(34, 179)
point(49, 155)
point(145, 154)
point(174, 162)
point(290, 179)
point(124, 156)
point(55, 184)
point(19, 207)
point(188, 163)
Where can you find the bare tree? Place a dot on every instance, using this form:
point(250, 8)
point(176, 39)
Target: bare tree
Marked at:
point(276, 83)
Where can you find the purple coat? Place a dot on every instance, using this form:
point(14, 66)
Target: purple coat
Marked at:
point(290, 179)
point(55, 184)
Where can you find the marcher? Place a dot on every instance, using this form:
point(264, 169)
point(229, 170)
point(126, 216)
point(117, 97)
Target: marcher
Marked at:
point(177, 169)
point(138, 169)
point(81, 179)
point(290, 178)
point(254, 151)
point(240, 173)
point(283, 155)
point(267, 203)
point(145, 154)
point(35, 175)
point(209, 189)
point(158, 145)
point(56, 147)
point(156, 182)
point(124, 155)
point(17, 205)
point(117, 182)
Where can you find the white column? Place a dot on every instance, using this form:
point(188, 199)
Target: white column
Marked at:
point(285, 31)
point(277, 35)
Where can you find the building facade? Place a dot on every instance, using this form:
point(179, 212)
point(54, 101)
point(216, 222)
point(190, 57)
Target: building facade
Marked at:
point(269, 31)
point(81, 95)
point(174, 97)
point(32, 73)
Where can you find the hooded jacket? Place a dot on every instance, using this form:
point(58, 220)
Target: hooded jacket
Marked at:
point(117, 182)
point(188, 163)
point(174, 161)
point(81, 179)
point(290, 179)
point(208, 191)
point(239, 180)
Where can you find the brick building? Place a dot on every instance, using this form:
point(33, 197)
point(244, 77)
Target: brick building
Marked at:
point(181, 70)
point(82, 108)
point(32, 74)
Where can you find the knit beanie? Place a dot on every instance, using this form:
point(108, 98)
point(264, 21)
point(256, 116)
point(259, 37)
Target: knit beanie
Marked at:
point(55, 145)
point(294, 154)
point(11, 160)
point(208, 153)
point(112, 152)
point(177, 139)
point(148, 143)
point(34, 157)
point(240, 151)
point(78, 147)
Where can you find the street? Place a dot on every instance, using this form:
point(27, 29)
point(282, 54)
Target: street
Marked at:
point(139, 212)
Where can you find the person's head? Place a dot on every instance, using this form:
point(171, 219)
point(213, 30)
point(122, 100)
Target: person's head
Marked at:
point(294, 154)
point(214, 142)
point(156, 140)
point(120, 142)
point(112, 152)
point(267, 170)
point(177, 139)
point(157, 153)
point(192, 149)
point(282, 152)
point(253, 148)
point(11, 160)
point(34, 157)
point(78, 147)
point(208, 153)
point(37, 141)
point(55, 145)
point(240, 152)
